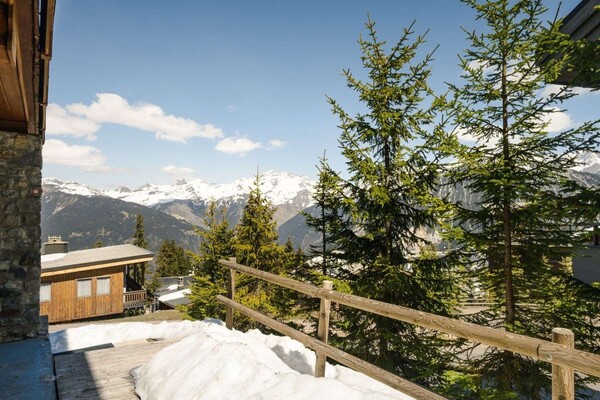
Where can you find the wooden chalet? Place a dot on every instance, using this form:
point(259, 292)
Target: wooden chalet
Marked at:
point(91, 283)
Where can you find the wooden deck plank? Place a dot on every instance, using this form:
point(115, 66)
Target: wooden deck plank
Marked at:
point(103, 374)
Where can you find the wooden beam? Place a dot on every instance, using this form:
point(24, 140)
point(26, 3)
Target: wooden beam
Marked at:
point(4, 33)
point(383, 376)
point(323, 330)
point(25, 25)
point(563, 379)
point(538, 349)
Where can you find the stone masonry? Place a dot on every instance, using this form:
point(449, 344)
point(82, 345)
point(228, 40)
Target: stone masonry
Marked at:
point(20, 266)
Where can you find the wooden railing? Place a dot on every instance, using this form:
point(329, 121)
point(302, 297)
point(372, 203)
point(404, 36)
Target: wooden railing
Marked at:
point(134, 299)
point(560, 352)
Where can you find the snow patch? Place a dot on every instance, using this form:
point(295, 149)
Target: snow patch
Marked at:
point(217, 363)
point(212, 362)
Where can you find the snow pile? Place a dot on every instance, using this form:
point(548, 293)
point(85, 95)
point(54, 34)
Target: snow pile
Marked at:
point(212, 362)
point(218, 364)
point(94, 335)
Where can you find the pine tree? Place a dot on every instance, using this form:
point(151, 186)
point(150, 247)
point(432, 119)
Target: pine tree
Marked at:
point(172, 260)
point(387, 204)
point(518, 237)
point(210, 279)
point(139, 270)
point(138, 235)
point(256, 246)
point(327, 201)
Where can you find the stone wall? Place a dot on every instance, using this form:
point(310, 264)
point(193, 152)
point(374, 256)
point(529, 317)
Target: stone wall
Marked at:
point(20, 179)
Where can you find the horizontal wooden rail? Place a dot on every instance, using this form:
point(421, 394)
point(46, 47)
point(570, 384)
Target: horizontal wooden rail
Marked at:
point(550, 352)
point(340, 356)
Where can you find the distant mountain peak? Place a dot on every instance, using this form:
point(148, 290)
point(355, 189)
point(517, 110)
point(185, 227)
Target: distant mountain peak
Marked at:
point(588, 162)
point(70, 187)
point(279, 187)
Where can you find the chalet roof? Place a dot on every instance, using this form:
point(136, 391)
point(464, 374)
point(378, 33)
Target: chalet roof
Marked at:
point(113, 255)
point(176, 298)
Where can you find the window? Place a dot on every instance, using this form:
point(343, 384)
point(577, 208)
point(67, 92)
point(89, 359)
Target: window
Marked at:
point(46, 292)
point(84, 287)
point(103, 285)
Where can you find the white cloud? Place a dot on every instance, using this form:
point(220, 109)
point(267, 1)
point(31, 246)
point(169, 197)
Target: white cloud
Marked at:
point(232, 108)
point(557, 120)
point(85, 157)
point(236, 145)
point(60, 122)
point(178, 172)
point(276, 144)
point(112, 108)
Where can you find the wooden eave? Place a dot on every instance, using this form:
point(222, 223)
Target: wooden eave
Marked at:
point(23, 71)
point(582, 23)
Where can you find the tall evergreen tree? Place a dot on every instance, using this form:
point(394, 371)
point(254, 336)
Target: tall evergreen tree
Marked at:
point(518, 236)
point(138, 235)
point(328, 202)
point(210, 279)
point(387, 204)
point(256, 246)
point(172, 260)
point(139, 270)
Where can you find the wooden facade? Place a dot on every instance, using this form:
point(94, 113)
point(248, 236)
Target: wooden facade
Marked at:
point(66, 305)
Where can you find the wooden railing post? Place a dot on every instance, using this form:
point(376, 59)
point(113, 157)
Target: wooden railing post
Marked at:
point(323, 331)
point(230, 295)
point(563, 378)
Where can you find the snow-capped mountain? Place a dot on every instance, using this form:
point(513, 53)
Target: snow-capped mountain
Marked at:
point(589, 162)
point(83, 215)
point(278, 187)
point(186, 201)
point(70, 187)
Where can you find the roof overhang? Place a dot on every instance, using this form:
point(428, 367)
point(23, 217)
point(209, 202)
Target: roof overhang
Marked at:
point(25, 50)
point(583, 24)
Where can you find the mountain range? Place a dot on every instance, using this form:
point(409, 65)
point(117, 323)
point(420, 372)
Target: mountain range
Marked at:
point(83, 215)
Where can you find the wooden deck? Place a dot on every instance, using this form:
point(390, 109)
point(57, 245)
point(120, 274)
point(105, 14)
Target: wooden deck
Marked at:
point(105, 373)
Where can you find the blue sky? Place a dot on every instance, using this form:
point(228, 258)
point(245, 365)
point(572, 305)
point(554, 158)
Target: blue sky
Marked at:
point(152, 91)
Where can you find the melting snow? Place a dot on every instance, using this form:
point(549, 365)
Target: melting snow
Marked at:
point(212, 362)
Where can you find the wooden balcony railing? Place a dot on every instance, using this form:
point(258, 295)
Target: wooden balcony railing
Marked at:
point(559, 352)
point(134, 299)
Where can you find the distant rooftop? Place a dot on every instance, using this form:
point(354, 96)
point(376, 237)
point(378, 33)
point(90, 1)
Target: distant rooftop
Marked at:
point(125, 253)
